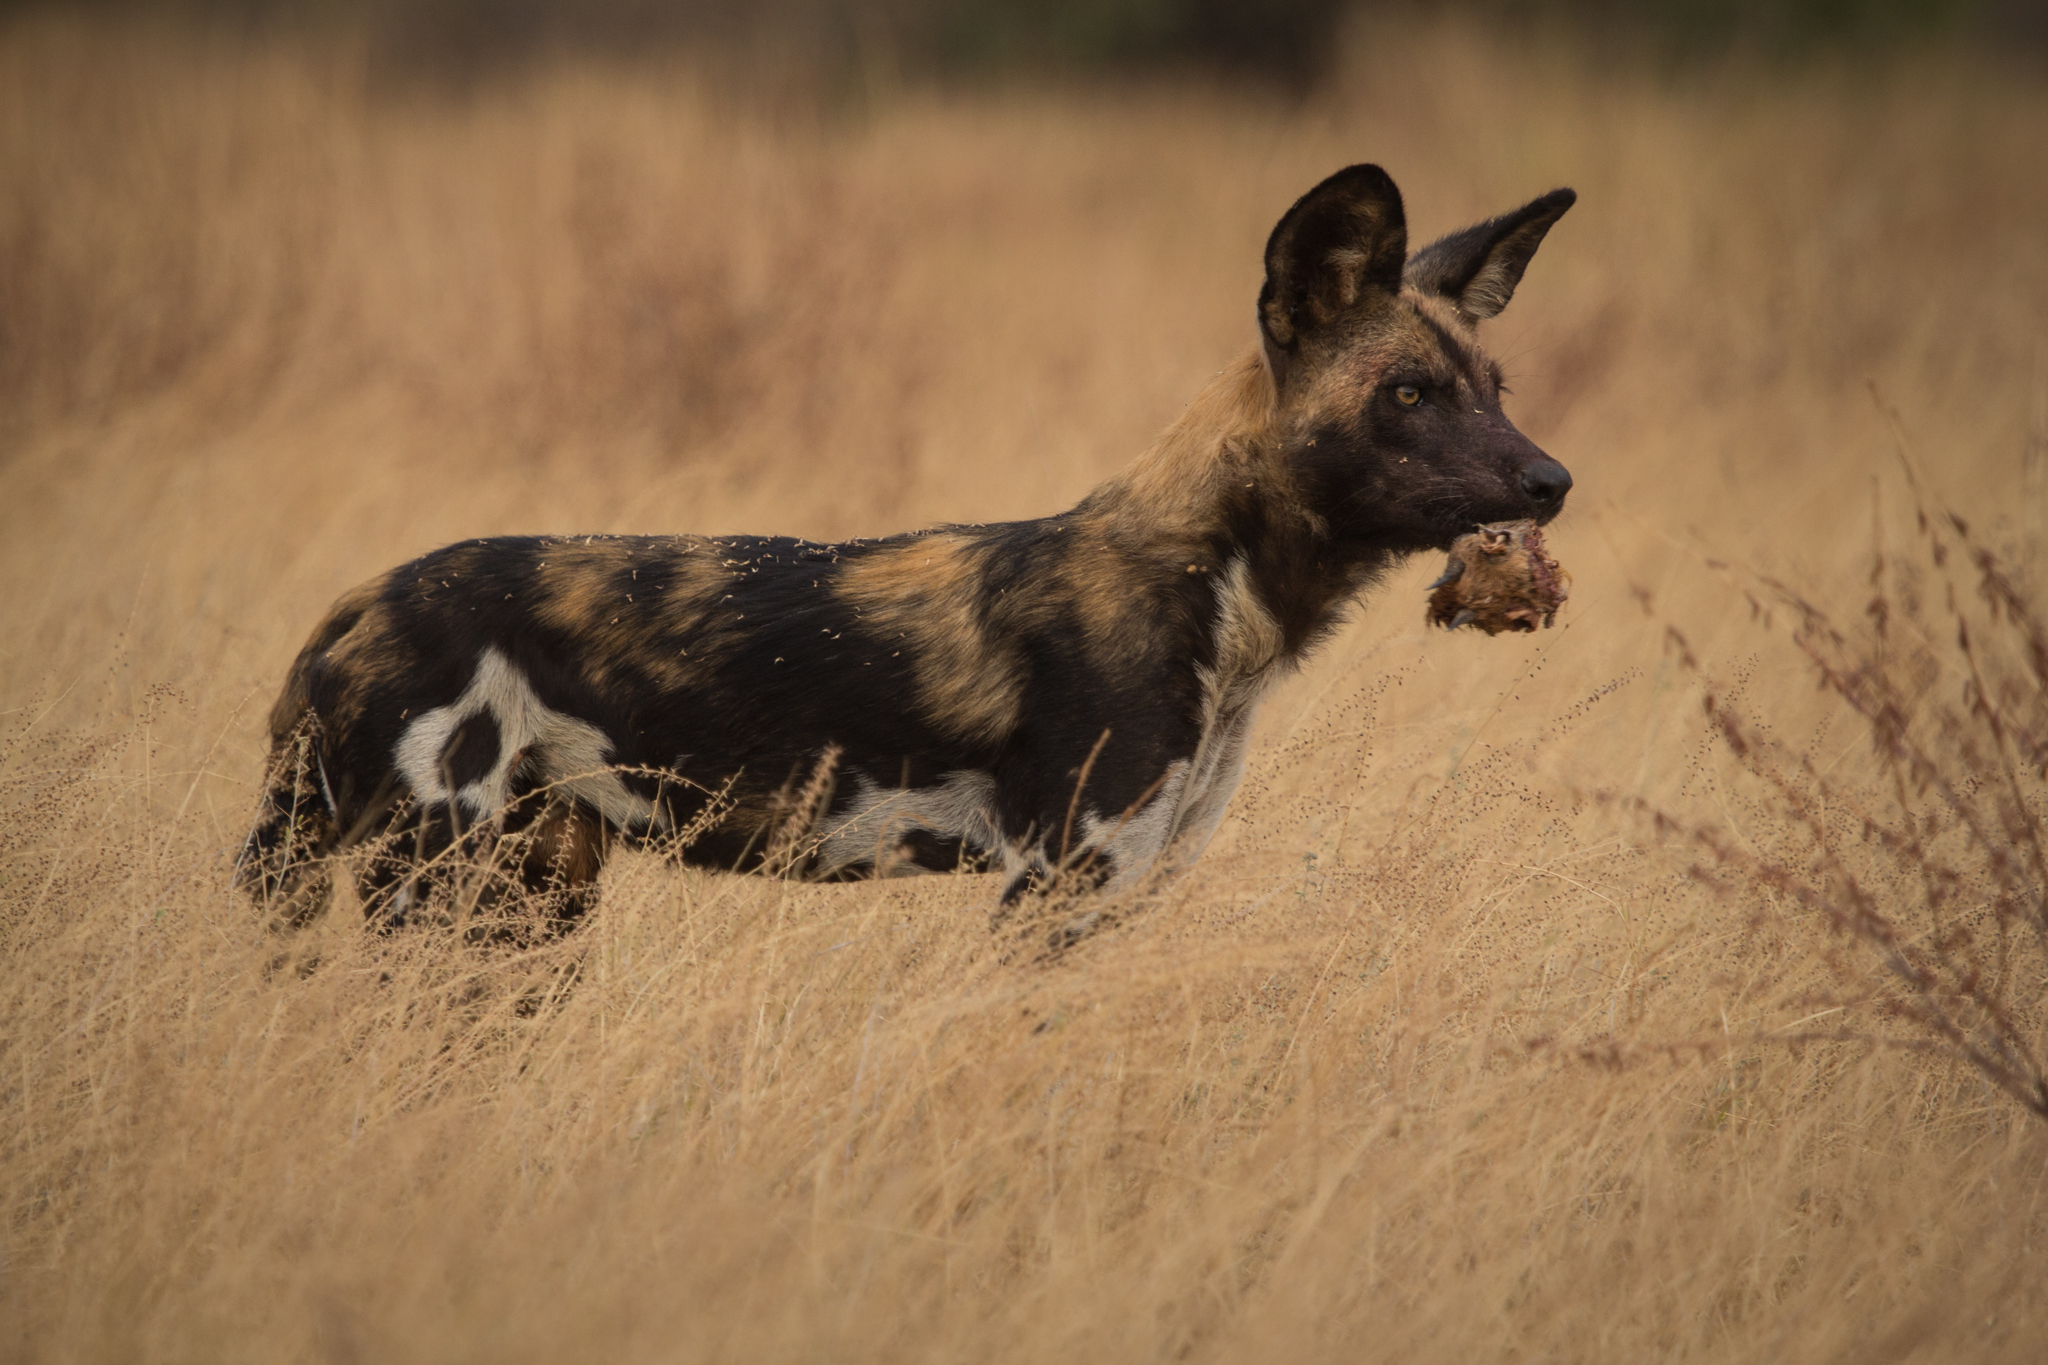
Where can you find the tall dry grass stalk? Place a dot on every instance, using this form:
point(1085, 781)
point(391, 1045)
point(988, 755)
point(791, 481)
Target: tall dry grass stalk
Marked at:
point(1429, 1058)
point(1931, 866)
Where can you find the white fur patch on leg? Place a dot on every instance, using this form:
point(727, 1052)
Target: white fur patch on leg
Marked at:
point(1134, 840)
point(961, 807)
point(1250, 657)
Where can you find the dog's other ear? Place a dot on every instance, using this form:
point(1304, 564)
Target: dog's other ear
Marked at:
point(1478, 269)
point(1339, 249)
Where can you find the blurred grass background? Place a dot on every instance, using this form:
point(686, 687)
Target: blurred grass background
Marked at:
point(1439, 1053)
point(1282, 44)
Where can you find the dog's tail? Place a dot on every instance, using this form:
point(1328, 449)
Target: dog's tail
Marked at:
point(283, 862)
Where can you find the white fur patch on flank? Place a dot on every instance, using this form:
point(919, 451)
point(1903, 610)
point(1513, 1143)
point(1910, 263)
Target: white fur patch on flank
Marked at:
point(557, 748)
point(961, 807)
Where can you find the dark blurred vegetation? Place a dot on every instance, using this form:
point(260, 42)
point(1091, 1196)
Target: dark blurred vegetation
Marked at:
point(1282, 43)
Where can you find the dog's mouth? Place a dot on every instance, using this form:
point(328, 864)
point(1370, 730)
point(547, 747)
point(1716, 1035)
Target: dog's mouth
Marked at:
point(1450, 533)
point(1466, 525)
point(1471, 519)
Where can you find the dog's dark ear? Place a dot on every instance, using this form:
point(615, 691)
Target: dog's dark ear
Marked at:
point(1339, 248)
point(1478, 269)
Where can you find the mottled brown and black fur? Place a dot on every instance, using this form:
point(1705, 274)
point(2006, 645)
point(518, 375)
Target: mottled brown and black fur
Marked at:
point(1067, 693)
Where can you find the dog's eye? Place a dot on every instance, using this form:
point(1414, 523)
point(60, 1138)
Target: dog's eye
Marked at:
point(1409, 395)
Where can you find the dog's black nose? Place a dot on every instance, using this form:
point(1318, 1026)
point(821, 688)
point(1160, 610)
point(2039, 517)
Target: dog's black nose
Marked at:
point(1547, 481)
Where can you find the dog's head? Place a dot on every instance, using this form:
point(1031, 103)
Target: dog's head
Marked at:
point(1390, 409)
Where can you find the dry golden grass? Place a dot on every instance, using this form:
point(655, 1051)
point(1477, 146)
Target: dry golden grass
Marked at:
point(1439, 1054)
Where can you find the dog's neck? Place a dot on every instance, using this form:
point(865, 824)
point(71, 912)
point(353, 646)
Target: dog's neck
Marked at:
point(1216, 485)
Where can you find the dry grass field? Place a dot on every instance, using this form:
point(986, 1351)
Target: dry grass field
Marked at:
point(1512, 1016)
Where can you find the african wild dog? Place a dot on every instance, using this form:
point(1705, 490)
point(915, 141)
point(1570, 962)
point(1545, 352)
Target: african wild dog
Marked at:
point(1070, 694)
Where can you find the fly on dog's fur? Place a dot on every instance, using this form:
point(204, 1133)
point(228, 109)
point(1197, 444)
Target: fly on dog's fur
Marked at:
point(1066, 696)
